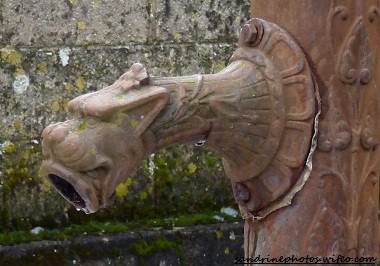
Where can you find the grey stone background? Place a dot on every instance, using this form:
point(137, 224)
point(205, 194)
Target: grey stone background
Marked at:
point(215, 244)
point(53, 51)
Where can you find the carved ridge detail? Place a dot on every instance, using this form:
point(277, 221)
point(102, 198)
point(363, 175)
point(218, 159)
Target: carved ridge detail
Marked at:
point(325, 221)
point(297, 84)
point(355, 63)
point(348, 139)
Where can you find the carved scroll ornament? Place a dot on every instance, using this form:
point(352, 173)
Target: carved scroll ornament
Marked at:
point(258, 113)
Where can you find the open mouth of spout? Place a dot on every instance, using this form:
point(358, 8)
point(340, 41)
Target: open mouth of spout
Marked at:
point(74, 186)
point(67, 191)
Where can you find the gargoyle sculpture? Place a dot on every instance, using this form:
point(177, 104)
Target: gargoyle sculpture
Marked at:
point(258, 113)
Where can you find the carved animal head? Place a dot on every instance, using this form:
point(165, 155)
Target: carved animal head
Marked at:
point(89, 155)
point(258, 113)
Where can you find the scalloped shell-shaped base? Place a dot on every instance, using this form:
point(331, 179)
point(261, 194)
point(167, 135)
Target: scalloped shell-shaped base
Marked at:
point(285, 147)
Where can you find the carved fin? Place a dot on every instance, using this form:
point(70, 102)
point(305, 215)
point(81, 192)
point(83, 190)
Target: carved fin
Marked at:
point(141, 103)
point(226, 104)
point(137, 73)
point(100, 102)
point(142, 106)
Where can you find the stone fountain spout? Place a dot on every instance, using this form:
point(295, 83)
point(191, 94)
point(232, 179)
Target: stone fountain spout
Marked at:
point(258, 113)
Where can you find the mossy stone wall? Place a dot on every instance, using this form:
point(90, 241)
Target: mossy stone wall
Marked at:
point(53, 51)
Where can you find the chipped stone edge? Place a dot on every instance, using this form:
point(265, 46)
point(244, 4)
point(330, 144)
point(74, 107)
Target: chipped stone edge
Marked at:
point(287, 200)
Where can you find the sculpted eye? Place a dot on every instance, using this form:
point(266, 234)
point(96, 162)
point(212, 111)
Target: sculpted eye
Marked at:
point(92, 122)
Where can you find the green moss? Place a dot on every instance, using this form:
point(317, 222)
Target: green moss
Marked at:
point(55, 106)
point(19, 71)
point(227, 251)
point(69, 86)
point(143, 195)
point(81, 83)
point(65, 104)
point(17, 168)
point(43, 67)
point(10, 148)
point(83, 125)
point(210, 161)
point(163, 190)
point(95, 227)
point(122, 190)
point(206, 63)
point(134, 123)
point(96, 3)
point(17, 124)
point(177, 37)
point(81, 25)
point(118, 120)
point(11, 56)
point(219, 234)
point(191, 168)
point(16, 171)
point(144, 248)
point(220, 66)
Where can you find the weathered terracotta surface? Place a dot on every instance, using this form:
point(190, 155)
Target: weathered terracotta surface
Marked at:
point(251, 113)
point(336, 213)
point(261, 114)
